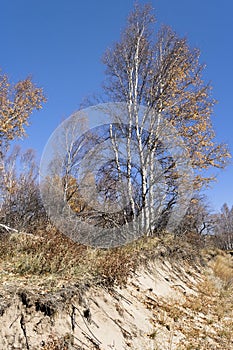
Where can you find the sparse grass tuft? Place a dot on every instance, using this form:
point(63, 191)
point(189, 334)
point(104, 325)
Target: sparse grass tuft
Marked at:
point(223, 269)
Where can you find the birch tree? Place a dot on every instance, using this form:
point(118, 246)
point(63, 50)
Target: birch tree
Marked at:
point(19, 193)
point(224, 227)
point(139, 161)
point(162, 73)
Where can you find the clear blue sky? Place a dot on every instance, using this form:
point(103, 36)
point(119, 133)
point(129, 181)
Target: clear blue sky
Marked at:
point(60, 43)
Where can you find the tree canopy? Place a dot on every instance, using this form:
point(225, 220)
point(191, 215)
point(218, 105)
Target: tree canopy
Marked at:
point(162, 72)
point(17, 102)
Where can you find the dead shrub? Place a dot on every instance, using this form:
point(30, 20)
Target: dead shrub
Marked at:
point(115, 266)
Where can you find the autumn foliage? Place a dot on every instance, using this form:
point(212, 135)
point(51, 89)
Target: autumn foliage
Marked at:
point(17, 102)
point(19, 192)
point(161, 71)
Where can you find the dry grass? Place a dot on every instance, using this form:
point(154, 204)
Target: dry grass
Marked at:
point(59, 343)
point(51, 258)
point(223, 269)
point(201, 320)
point(44, 253)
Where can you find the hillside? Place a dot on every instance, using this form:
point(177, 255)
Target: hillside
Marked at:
point(168, 298)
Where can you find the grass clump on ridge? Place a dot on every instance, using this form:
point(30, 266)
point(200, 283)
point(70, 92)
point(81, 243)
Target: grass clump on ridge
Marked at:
point(50, 255)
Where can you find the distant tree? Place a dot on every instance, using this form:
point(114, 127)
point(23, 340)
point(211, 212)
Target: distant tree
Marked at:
point(20, 204)
point(198, 218)
point(224, 227)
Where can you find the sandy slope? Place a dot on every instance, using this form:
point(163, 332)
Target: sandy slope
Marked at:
point(157, 310)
